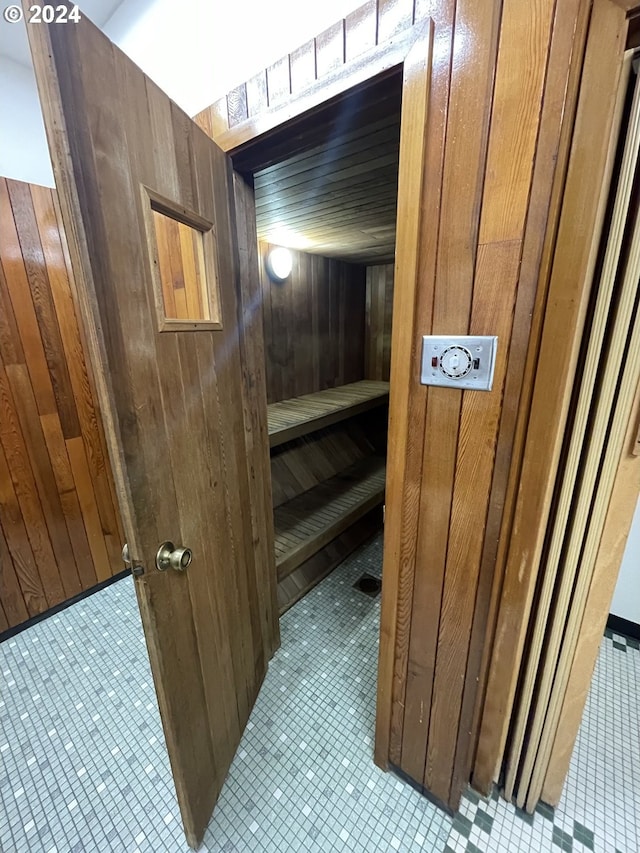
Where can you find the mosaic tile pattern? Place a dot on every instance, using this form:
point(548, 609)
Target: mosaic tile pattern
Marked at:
point(600, 806)
point(83, 764)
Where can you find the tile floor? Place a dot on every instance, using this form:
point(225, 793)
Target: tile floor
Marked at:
point(83, 765)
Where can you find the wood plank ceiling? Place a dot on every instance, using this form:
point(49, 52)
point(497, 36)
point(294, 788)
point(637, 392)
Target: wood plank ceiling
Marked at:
point(330, 187)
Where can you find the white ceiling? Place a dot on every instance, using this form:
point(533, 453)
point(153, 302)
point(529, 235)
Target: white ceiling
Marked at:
point(13, 37)
point(197, 50)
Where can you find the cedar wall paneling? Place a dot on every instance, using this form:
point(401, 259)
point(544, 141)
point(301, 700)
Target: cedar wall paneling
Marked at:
point(502, 89)
point(59, 528)
point(313, 325)
point(377, 353)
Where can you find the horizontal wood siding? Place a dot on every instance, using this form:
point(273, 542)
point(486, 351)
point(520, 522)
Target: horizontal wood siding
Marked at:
point(313, 325)
point(60, 530)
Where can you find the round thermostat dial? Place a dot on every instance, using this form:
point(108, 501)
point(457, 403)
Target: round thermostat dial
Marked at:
point(456, 361)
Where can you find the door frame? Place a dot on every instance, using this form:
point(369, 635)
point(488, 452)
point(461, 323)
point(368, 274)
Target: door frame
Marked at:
point(229, 124)
point(581, 209)
point(246, 115)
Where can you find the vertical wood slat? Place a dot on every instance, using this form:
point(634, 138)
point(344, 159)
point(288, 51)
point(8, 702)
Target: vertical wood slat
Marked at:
point(518, 93)
point(61, 530)
point(556, 122)
point(255, 401)
point(394, 16)
point(423, 100)
point(572, 462)
point(20, 582)
point(278, 81)
point(360, 30)
point(303, 66)
point(257, 99)
point(206, 618)
point(590, 162)
point(308, 344)
point(237, 105)
point(330, 49)
point(616, 528)
point(436, 631)
point(599, 461)
point(378, 321)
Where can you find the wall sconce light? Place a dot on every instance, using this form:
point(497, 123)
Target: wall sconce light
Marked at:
point(279, 264)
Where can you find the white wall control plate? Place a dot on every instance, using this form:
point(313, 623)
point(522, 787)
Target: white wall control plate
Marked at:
point(463, 361)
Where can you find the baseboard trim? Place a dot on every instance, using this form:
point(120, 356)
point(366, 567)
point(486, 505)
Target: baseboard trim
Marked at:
point(58, 608)
point(623, 626)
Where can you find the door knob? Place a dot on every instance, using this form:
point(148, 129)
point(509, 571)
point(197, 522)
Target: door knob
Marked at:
point(170, 557)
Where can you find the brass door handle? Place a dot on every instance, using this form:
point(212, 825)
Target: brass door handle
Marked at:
point(170, 557)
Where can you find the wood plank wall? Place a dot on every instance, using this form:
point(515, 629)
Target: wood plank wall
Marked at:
point(497, 136)
point(314, 325)
point(377, 352)
point(60, 532)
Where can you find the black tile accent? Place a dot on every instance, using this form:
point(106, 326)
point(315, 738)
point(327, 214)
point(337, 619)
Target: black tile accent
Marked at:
point(562, 839)
point(483, 820)
point(632, 643)
point(471, 848)
point(582, 834)
point(472, 796)
point(525, 816)
point(545, 810)
point(620, 646)
point(462, 825)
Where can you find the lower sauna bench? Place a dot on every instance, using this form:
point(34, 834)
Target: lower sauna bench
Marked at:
point(310, 521)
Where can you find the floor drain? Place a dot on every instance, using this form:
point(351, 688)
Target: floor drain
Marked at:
point(369, 585)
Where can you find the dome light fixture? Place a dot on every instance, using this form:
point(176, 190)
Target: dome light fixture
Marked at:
point(279, 264)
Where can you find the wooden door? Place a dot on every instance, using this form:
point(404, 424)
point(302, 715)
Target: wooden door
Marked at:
point(147, 205)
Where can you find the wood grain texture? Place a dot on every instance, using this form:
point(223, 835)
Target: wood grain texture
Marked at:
point(181, 269)
point(556, 124)
point(302, 464)
point(299, 416)
point(336, 195)
point(577, 482)
point(360, 30)
point(450, 258)
point(304, 525)
point(619, 373)
point(591, 159)
point(617, 524)
point(330, 49)
point(251, 329)
point(316, 568)
point(62, 530)
point(377, 347)
point(475, 198)
point(314, 325)
point(179, 477)
point(422, 100)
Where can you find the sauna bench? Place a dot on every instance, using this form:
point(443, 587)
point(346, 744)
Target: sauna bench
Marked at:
point(289, 419)
point(308, 522)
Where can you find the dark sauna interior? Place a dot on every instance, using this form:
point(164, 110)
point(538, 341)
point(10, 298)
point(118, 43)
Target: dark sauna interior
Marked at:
point(327, 190)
